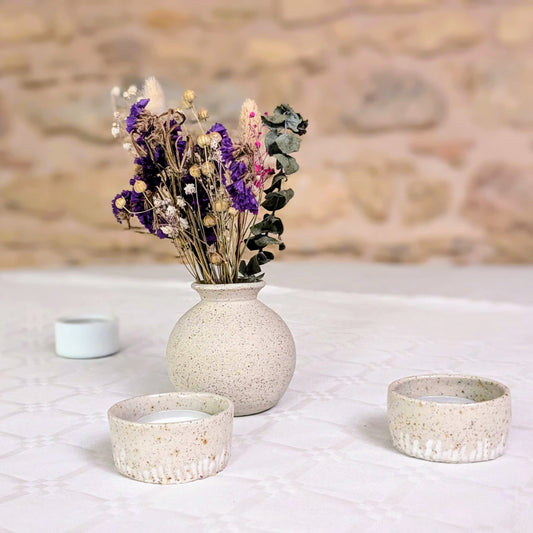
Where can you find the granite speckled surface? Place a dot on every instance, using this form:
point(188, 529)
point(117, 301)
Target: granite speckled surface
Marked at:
point(322, 460)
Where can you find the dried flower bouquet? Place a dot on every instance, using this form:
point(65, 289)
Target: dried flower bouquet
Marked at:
point(201, 189)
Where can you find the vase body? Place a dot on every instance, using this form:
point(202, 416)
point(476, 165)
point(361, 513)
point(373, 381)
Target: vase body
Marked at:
point(232, 344)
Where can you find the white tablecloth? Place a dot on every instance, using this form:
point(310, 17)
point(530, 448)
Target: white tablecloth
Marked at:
point(321, 461)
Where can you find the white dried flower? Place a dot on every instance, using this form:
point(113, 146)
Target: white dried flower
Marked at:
point(120, 202)
point(167, 230)
point(203, 141)
point(128, 147)
point(115, 131)
point(180, 201)
point(158, 202)
point(195, 171)
point(171, 211)
point(183, 223)
point(115, 91)
point(189, 188)
point(125, 94)
point(188, 96)
point(140, 186)
point(132, 90)
point(154, 92)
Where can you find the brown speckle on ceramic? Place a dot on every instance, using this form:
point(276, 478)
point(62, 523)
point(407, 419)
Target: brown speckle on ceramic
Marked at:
point(232, 344)
point(175, 452)
point(449, 432)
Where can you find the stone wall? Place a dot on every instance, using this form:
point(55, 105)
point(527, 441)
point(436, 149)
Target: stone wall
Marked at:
point(421, 113)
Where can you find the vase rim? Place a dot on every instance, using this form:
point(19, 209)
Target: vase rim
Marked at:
point(228, 286)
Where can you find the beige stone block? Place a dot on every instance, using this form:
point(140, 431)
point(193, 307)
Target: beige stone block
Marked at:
point(165, 18)
point(346, 34)
point(500, 199)
point(23, 26)
point(431, 33)
point(386, 5)
point(373, 180)
point(86, 196)
point(450, 150)
point(511, 247)
point(500, 90)
point(63, 27)
point(14, 63)
point(332, 203)
point(36, 196)
point(391, 99)
point(372, 191)
point(425, 199)
point(265, 53)
point(515, 25)
point(297, 11)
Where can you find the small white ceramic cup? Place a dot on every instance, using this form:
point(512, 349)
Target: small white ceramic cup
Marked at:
point(86, 336)
point(444, 431)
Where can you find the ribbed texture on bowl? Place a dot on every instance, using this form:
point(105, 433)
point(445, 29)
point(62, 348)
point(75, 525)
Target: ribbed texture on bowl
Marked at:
point(176, 452)
point(449, 432)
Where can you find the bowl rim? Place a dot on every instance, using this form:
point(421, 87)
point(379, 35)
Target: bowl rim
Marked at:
point(505, 392)
point(98, 319)
point(113, 416)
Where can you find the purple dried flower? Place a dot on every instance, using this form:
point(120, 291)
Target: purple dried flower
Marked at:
point(120, 212)
point(242, 197)
point(226, 144)
point(135, 110)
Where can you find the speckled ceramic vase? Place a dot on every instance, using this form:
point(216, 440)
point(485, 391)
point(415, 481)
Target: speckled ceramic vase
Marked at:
point(232, 344)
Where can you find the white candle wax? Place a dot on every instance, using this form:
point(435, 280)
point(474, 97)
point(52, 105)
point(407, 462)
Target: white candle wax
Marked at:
point(446, 399)
point(172, 415)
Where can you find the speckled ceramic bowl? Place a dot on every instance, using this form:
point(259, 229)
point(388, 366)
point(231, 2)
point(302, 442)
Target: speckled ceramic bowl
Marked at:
point(449, 432)
point(175, 452)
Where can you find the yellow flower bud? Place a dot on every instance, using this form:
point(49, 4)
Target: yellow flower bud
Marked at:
point(120, 203)
point(203, 141)
point(208, 168)
point(186, 105)
point(139, 186)
point(188, 96)
point(215, 136)
point(210, 221)
point(195, 171)
point(216, 258)
point(203, 114)
point(221, 205)
point(232, 211)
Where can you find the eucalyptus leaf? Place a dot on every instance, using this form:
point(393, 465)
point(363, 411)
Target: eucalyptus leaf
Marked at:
point(276, 182)
point(265, 240)
point(253, 267)
point(264, 257)
point(287, 163)
point(273, 121)
point(288, 143)
point(270, 142)
point(277, 200)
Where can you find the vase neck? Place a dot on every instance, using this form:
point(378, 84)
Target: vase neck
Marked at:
point(228, 292)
